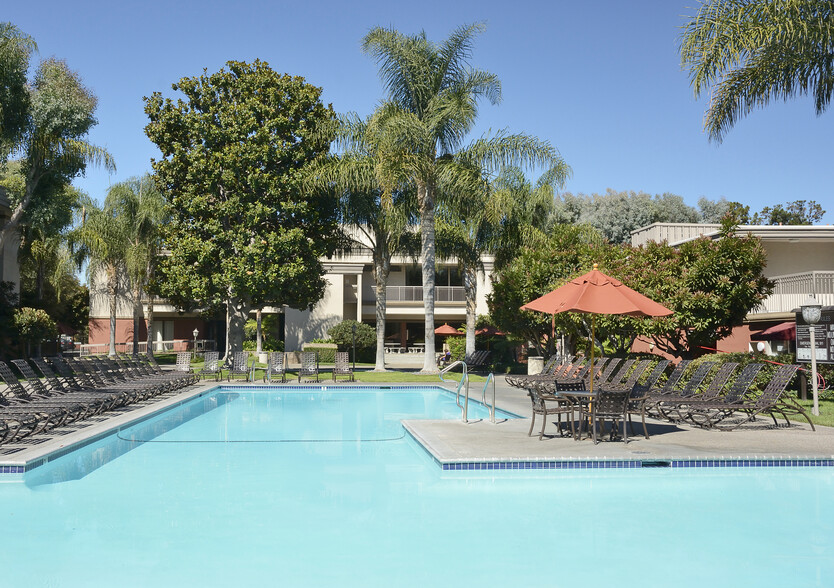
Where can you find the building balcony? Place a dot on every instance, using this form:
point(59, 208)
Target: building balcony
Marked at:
point(412, 294)
point(791, 291)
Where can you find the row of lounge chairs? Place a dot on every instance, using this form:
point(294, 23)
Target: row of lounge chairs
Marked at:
point(725, 399)
point(65, 390)
point(276, 367)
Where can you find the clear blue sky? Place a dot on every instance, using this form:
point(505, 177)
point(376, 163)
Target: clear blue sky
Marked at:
point(600, 80)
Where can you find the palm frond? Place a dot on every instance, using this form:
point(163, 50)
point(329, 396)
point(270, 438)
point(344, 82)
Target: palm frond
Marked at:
point(749, 52)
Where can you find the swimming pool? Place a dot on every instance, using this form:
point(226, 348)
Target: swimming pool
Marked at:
point(306, 488)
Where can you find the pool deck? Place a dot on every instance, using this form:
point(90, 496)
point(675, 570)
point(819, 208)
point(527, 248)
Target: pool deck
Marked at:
point(454, 444)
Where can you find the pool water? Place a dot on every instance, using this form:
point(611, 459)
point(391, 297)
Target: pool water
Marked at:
point(301, 488)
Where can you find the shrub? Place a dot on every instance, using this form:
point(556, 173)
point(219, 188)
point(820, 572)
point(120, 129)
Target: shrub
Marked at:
point(269, 328)
point(326, 351)
point(342, 335)
point(34, 325)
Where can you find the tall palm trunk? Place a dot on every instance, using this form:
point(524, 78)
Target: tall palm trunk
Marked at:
point(149, 273)
point(382, 267)
point(137, 315)
point(112, 291)
point(425, 196)
point(470, 288)
point(150, 325)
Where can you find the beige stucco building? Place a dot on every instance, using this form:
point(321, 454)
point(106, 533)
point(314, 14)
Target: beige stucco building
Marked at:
point(350, 294)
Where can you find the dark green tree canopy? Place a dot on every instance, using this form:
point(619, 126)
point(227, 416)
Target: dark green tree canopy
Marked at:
point(15, 49)
point(233, 152)
point(710, 285)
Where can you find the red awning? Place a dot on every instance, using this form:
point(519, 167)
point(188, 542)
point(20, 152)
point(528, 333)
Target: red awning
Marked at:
point(782, 332)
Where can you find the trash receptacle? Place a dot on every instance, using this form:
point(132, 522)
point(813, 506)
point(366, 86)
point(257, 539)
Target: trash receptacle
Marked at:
point(535, 365)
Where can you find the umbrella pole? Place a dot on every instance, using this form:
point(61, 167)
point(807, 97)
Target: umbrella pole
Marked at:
point(593, 337)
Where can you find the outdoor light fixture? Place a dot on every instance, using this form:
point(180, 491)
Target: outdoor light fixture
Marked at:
point(811, 314)
point(195, 332)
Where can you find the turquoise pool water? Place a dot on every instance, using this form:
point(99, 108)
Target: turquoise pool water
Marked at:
point(293, 488)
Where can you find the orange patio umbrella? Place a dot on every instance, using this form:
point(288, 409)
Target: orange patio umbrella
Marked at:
point(446, 330)
point(595, 293)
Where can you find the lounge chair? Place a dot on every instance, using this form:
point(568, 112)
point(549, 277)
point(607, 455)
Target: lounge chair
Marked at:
point(309, 365)
point(673, 409)
point(276, 367)
point(771, 401)
point(342, 366)
point(211, 366)
point(708, 412)
point(477, 360)
point(239, 366)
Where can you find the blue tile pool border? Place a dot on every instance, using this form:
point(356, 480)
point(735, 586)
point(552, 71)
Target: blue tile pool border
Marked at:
point(598, 464)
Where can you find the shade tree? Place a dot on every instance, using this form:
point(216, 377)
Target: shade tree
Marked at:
point(243, 232)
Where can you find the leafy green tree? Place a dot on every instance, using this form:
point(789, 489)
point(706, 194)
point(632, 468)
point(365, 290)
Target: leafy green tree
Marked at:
point(747, 53)
point(243, 231)
point(432, 104)
point(710, 284)
point(570, 251)
point(617, 214)
point(34, 325)
point(342, 335)
point(16, 48)
point(54, 149)
point(798, 212)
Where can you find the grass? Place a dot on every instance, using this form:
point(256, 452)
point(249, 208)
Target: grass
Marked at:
point(367, 376)
point(826, 416)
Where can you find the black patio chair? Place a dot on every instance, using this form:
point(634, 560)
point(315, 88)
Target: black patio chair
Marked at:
point(342, 366)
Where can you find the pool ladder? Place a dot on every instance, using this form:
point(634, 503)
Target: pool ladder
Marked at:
point(464, 383)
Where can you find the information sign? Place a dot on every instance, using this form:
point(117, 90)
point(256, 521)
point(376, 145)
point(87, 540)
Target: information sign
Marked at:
point(823, 333)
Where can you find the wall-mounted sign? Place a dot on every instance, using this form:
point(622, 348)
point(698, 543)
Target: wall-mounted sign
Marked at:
point(823, 333)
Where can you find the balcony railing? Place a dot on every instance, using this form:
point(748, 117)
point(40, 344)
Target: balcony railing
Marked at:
point(158, 346)
point(791, 291)
point(415, 294)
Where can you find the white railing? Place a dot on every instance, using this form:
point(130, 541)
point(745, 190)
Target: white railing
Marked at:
point(415, 294)
point(791, 291)
point(158, 346)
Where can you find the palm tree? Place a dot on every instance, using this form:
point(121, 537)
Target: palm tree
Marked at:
point(433, 94)
point(498, 216)
point(140, 208)
point(373, 217)
point(103, 238)
point(749, 52)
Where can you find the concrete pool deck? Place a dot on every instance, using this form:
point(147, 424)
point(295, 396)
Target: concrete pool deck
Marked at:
point(452, 443)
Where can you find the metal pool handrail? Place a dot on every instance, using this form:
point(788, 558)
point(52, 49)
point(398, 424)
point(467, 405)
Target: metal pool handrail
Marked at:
point(463, 380)
point(490, 378)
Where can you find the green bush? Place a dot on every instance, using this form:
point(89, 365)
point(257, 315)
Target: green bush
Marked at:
point(326, 354)
point(457, 345)
point(34, 325)
point(269, 330)
point(342, 335)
